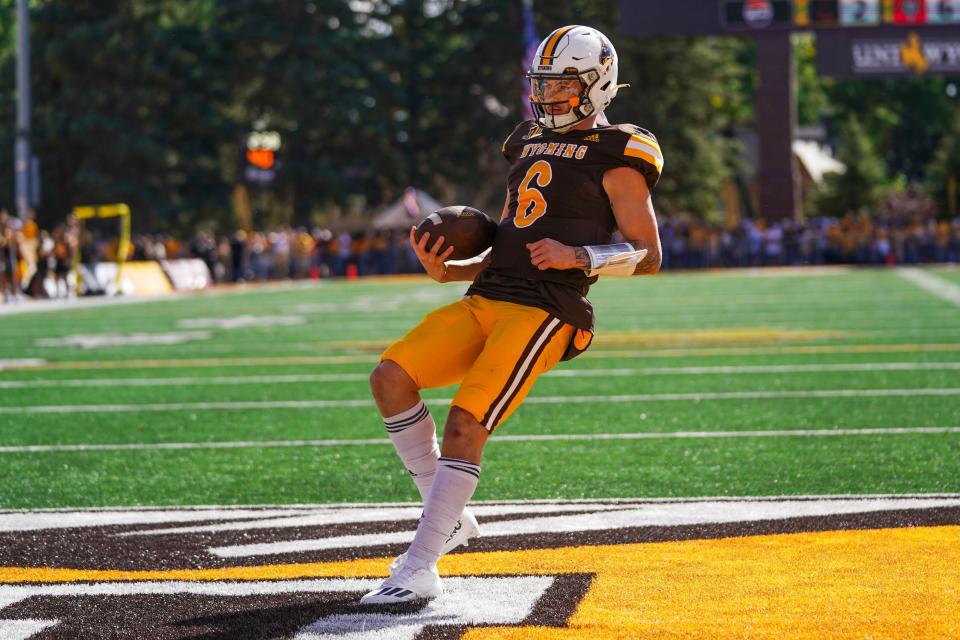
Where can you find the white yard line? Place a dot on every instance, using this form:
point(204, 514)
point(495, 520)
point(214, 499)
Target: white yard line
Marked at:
point(736, 369)
point(22, 363)
point(337, 404)
point(46, 306)
point(559, 373)
point(96, 302)
point(595, 353)
point(186, 381)
point(559, 437)
point(940, 287)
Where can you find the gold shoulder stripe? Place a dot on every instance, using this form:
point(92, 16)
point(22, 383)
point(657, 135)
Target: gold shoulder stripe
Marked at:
point(652, 160)
point(645, 149)
point(645, 140)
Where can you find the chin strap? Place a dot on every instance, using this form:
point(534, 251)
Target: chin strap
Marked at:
point(614, 259)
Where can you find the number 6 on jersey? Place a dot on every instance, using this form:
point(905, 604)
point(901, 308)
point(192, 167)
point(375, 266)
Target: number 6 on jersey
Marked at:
point(531, 204)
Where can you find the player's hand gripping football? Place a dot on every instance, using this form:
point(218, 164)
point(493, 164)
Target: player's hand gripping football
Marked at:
point(550, 254)
point(432, 260)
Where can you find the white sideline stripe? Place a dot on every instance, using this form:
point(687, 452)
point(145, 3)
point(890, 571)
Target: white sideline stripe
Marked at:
point(38, 520)
point(323, 517)
point(300, 506)
point(637, 516)
point(943, 289)
point(104, 516)
point(559, 373)
point(335, 404)
point(666, 435)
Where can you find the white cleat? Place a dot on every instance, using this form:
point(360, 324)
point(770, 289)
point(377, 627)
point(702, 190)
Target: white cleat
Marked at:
point(409, 583)
point(466, 528)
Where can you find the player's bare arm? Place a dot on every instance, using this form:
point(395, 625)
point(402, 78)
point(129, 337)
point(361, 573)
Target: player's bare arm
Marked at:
point(633, 209)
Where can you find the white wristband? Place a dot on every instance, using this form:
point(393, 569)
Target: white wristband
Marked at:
point(614, 259)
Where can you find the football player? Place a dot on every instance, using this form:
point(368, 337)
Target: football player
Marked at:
point(574, 179)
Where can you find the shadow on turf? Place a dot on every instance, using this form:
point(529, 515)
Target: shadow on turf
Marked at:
point(284, 621)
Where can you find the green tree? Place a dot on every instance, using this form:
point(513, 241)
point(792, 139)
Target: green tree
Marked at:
point(864, 181)
point(812, 99)
point(945, 166)
point(904, 117)
point(8, 29)
point(122, 110)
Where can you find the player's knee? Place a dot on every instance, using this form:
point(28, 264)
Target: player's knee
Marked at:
point(463, 436)
point(389, 378)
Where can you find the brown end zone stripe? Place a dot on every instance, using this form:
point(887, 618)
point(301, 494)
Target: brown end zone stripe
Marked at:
point(184, 557)
point(552, 40)
point(531, 344)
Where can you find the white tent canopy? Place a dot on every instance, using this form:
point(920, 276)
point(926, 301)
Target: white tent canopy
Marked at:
point(410, 209)
point(816, 159)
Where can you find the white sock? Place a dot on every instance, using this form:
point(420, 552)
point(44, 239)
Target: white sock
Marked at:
point(414, 436)
point(453, 486)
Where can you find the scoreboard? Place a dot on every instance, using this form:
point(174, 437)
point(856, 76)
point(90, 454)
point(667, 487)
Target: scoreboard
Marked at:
point(831, 13)
point(647, 18)
point(815, 14)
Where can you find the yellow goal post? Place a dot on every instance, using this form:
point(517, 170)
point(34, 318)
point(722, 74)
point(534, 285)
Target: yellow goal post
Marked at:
point(118, 210)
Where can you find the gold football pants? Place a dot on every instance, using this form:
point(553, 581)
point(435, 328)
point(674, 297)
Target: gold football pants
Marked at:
point(497, 349)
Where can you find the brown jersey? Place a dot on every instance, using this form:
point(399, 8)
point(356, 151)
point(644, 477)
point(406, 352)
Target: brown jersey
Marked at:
point(556, 191)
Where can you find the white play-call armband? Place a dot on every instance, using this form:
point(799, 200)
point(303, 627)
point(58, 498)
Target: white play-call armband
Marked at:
point(614, 259)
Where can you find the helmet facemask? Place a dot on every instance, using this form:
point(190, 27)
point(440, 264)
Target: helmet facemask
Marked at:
point(559, 101)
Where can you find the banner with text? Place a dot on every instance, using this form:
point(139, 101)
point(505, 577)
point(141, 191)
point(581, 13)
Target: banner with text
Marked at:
point(844, 54)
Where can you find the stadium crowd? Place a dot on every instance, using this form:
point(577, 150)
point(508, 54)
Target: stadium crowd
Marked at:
point(38, 263)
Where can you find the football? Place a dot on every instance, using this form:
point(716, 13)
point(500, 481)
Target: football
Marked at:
point(470, 231)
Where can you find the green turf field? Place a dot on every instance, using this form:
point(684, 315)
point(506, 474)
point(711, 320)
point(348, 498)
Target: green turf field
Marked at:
point(801, 360)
